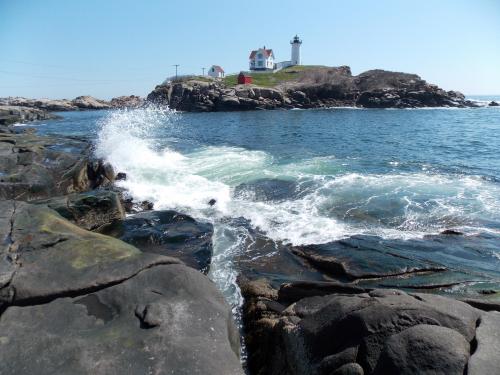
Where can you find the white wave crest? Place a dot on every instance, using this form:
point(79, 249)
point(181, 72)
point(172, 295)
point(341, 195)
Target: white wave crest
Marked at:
point(335, 203)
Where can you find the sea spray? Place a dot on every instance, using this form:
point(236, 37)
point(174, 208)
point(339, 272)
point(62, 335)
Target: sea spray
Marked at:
point(329, 197)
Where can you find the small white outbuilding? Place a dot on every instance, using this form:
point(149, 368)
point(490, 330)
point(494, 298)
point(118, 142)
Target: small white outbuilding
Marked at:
point(216, 71)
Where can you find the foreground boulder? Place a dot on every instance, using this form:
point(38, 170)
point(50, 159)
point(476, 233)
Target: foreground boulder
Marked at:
point(165, 320)
point(79, 302)
point(168, 233)
point(333, 328)
point(46, 256)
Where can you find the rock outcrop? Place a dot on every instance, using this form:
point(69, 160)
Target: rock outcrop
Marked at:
point(332, 328)
point(201, 96)
point(10, 115)
point(85, 102)
point(74, 301)
point(88, 102)
point(34, 167)
point(316, 88)
point(167, 233)
point(89, 210)
point(132, 101)
point(51, 105)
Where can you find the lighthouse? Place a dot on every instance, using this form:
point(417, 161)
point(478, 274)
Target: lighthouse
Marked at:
point(296, 42)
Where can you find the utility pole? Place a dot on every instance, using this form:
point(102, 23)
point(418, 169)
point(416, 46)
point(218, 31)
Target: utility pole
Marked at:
point(203, 70)
point(176, 65)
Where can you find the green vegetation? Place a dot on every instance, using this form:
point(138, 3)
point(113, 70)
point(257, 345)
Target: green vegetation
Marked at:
point(185, 78)
point(270, 79)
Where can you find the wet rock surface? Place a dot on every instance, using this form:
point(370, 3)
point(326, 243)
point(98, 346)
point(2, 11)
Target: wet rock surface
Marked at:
point(167, 233)
point(34, 167)
point(318, 88)
point(466, 266)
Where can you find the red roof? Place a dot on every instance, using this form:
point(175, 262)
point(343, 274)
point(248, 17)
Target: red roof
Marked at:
point(268, 52)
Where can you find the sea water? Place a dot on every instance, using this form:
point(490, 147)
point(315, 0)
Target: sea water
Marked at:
point(397, 174)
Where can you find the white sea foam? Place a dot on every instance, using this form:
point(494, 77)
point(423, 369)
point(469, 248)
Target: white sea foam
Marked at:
point(341, 204)
point(336, 205)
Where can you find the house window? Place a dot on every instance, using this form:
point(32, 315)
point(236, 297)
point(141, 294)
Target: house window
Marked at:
point(259, 55)
point(261, 63)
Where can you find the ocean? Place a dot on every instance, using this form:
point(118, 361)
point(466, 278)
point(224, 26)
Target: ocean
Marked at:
point(310, 176)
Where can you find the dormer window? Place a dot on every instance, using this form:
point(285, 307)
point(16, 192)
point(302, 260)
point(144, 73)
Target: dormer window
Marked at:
point(259, 55)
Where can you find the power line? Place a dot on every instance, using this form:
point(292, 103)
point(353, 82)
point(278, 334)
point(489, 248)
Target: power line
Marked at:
point(74, 79)
point(30, 63)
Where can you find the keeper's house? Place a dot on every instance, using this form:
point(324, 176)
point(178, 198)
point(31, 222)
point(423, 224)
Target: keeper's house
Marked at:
point(261, 59)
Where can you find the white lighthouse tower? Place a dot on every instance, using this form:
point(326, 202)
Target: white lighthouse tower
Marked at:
point(296, 42)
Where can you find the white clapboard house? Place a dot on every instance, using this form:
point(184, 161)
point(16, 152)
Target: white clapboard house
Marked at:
point(261, 59)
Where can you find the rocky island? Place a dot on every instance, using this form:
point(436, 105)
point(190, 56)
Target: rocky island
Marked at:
point(297, 87)
point(306, 87)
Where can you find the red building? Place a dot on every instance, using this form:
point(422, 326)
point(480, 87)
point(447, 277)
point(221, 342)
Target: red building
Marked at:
point(243, 79)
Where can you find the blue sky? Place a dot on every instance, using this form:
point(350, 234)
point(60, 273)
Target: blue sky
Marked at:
point(106, 48)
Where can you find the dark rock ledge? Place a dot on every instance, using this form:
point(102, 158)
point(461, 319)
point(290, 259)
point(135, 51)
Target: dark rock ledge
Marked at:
point(334, 328)
point(363, 305)
point(74, 301)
